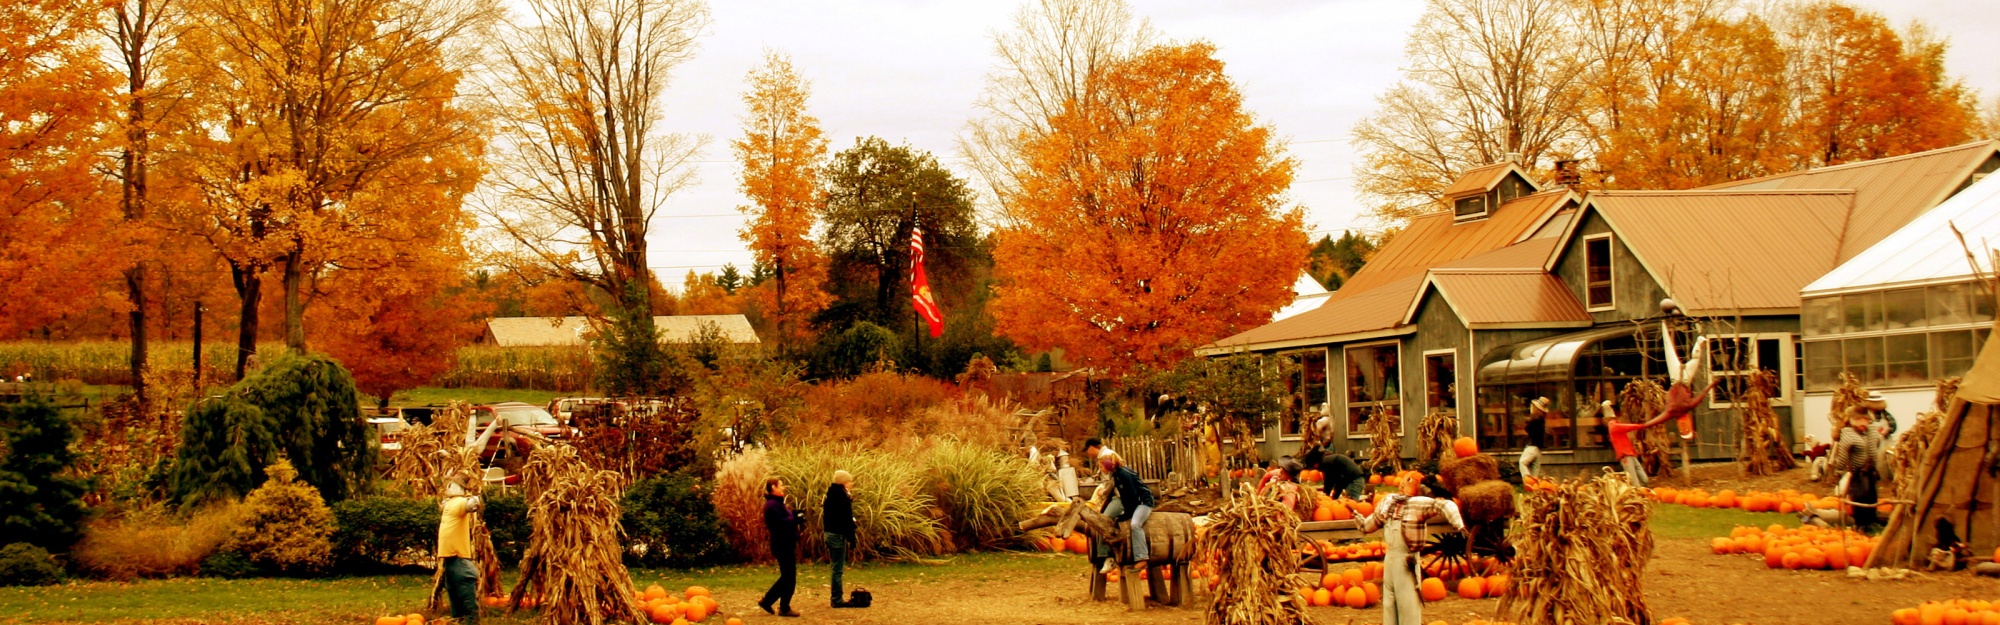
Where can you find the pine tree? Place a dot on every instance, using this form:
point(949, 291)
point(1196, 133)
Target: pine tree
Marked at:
point(38, 503)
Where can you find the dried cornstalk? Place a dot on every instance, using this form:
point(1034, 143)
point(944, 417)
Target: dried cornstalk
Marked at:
point(1913, 444)
point(1641, 401)
point(431, 453)
point(1581, 551)
point(1849, 393)
point(1253, 541)
point(1387, 448)
point(574, 560)
point(1435, 435)
point(1763, 451)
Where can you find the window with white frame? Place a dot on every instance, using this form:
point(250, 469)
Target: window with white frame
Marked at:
point(1374, 385)
point(1597, 274)
point(1732, 358)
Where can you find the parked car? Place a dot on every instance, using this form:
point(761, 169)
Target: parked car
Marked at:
point(522, 427)
point(562, 407)
point(387, 430)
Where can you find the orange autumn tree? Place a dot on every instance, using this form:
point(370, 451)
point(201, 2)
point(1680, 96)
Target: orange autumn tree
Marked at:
point(1150, 220)
point(1866, 92)
point(398, 327)
point(781, 150)
point(55, 99)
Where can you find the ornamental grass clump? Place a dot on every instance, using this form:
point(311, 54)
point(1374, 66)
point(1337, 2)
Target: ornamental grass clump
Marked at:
point(983, 493)
point(739, 500)
point(1253, 542)
point(892, 502)
point(575, 561)
point(151, 542)
point(1582, 548)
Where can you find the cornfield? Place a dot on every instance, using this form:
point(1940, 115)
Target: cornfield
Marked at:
point(1583, 549)
point(561, 369)
point(1252, 541)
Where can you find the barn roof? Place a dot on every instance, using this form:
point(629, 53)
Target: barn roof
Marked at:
point(1503, 299)
point(1889, 192)
point(1727, 251)
point(561, 331)
point(1925, 251)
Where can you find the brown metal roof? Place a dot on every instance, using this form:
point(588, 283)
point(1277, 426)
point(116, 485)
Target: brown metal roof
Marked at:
point(1374, 300)
point(1889, 192)
point(1529, 254)
point(1482, 179)
point(1722, 251)
point(1531, 298)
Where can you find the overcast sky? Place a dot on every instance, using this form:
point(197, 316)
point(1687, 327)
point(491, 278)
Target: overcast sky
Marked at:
point(909, 71)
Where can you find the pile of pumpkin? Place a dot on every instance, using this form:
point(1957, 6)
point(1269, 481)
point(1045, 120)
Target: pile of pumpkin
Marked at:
point(1786, 501)
point(1956, 611)
point(1808, 547)
point(663, 607)
point(1359, 587)
point(407, 619)
point(1074, 543)
point(1353, 552)
point(1330, 509)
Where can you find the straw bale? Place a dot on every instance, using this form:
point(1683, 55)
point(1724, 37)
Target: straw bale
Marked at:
point(1456, 473)
point(1486, 502)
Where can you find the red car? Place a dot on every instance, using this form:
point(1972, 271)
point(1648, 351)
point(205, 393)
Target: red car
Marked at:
point(522, 427)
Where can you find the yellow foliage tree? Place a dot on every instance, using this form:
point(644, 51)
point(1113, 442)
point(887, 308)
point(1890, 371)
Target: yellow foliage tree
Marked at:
point(1150, 221)
point(781, 151)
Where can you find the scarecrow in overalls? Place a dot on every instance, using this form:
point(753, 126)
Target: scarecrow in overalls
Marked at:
point(1404, 519)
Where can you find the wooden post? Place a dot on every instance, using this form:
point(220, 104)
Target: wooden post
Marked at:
point(1156, 583)
point(1096, 583)
point(1183, 586)
point(1128, 584)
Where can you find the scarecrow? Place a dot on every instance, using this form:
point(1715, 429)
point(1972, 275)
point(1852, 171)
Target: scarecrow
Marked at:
point(1404, 521)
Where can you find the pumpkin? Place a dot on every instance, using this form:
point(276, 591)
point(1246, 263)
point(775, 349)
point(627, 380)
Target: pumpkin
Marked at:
point(654, 592)
point(1721, 546)
point(1356, 597)
point(1472, 588)
point(1857, 555)
point(1330, 580)
point(1905, 616)
point(1374, 592)
point(1342, 513)
point(1323, 513)
point(413, 619)
point(1774, 555)
point(733, 621)
point(664, 613)
point(1351, 577)
point(1322, 597)
point(696, 591)
point(1374, 480)
point(1465, 447)
point(1497, 584)
point(696, 612)
point(1078, 543)
point(1791, 560)
point(1431, 589)
point(389, 620)
point(1954, 616)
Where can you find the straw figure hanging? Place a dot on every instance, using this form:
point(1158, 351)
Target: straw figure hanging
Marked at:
point(1849, 393)
point(1387, 447)
point(1763, 450)
point(1582, 547)
point(1642, 400)
point(1253, 541)
point(575, 560)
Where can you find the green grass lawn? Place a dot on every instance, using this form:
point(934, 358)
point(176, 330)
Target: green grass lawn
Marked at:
point(437, 395)
point(1678, 521)
point(361, 599)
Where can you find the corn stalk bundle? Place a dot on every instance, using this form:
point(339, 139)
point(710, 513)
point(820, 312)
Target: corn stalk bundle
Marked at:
point(1252, 541)
point(1387, 448)
point(432, 452)
point(575, 551)
point(1763, 451)
point(1849, 393)
point(1435, 435)
point(1581, 550)
point(1641, 401)
point(1912, 445)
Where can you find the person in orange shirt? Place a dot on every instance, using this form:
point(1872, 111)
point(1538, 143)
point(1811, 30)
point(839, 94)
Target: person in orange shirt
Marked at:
point(454, 550)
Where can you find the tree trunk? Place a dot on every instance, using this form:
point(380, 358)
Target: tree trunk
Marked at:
point(132, 163)
point(135, 290)
point(197, 348)
point(249, 292)
point(295, 305)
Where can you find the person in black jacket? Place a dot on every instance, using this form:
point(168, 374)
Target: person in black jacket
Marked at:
point(1136, 503)
point(783, 525)
point(838, 518)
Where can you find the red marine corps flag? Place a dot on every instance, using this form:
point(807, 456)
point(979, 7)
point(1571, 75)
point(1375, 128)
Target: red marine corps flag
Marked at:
point(920, 285)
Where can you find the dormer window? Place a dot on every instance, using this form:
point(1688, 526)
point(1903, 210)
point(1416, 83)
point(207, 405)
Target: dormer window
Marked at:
point(1472, 206)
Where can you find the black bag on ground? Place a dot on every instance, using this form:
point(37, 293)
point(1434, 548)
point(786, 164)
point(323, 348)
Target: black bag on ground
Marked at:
point(860, 598)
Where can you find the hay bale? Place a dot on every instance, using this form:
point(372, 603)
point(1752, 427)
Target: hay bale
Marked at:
point(1460, 472)
point(1486, 502)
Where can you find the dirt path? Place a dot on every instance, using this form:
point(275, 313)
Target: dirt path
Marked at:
point(1683, 580)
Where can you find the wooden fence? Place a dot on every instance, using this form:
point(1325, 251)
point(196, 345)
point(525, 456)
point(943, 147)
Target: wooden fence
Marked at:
point(1153, 458)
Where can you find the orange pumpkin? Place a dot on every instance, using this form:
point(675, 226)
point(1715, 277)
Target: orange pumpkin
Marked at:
point(1323, 513)
point(733, 621)
point(1954, 616)
point(1374, 592)
point(1857, 555)
point(654, 592)
point(663, 614)
point(1465, 447)
point(1077, 543)
point(1330, 580)
point(1356, 597)
point(1472, 588)
point(1431, 589)
point(1322, 597)
point(1498, 584)
point(413, 619)
point(1351, 577)
point(1905, 616)
point(1721, 546)
point(696, 591)
point(1374, 480)
point(389, 620)
point(1341, 512)
point(1791, 560)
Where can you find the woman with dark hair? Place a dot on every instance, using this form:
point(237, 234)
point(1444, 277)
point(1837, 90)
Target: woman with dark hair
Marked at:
point(783, 525)
point(837, 515)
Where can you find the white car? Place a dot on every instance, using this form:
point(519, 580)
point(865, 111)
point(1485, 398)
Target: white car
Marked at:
point(386, 431)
